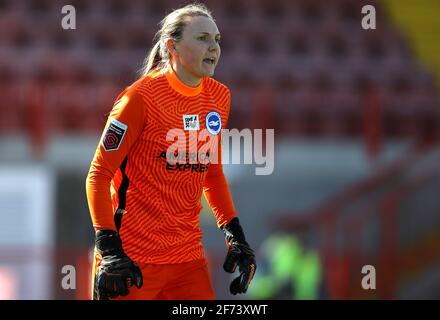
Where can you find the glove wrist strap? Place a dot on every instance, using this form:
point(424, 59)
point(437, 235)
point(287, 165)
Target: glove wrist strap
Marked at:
point(108, 242)
point(234, 232)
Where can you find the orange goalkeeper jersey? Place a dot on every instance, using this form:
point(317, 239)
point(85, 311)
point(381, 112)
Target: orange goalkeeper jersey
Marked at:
point(131, 187)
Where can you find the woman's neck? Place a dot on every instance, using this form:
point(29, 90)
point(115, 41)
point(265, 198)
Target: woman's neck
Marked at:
point(184, 76)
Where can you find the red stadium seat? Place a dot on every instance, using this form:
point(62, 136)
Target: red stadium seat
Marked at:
point(312, 52)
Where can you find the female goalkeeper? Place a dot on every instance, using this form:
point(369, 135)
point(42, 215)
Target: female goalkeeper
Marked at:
point(144, 204)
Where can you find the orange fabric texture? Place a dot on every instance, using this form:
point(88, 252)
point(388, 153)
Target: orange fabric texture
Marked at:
point(161, 202)
point(182, 281)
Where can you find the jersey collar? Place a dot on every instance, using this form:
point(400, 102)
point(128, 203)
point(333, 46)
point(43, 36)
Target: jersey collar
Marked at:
point(181, 87)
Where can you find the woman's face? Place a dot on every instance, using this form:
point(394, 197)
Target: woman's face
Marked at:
point(198, 51)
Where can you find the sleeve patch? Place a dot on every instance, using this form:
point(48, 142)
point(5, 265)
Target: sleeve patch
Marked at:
point(113, 136)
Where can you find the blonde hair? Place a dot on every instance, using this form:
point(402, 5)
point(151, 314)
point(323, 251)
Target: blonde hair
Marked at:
point(171, 27)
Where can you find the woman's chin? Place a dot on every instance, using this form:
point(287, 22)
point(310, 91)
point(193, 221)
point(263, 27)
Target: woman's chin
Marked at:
point(208, 73)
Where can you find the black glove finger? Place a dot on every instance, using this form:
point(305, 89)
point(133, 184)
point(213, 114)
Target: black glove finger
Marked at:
point(105, 288)
point(112, 294)
point(127, 276)
point(232, 259)
point(241, 283)
point(234, 287)
point(113, 285)
point(247, 276)
point(98, 292)
point(138, 280)
point(102, 281)
point(120, 286)
point(102, 295)
point(133, 276)
point(245, 264)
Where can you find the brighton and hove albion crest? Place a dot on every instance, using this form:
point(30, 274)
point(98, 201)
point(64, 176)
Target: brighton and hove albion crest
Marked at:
point(213, 122)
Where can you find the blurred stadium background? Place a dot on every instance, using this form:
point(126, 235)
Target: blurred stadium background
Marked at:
point(357, 126)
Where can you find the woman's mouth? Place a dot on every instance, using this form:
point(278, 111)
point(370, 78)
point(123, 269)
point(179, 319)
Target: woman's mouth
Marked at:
point(210, 61)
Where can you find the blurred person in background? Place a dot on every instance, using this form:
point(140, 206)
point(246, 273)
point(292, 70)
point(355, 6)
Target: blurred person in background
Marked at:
point(290, 269)
point(145, 208)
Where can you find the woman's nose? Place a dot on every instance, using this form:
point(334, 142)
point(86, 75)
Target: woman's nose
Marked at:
point(214, 47)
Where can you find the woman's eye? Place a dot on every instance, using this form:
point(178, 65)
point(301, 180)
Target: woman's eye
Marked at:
point(217, 40)
point(203, 38)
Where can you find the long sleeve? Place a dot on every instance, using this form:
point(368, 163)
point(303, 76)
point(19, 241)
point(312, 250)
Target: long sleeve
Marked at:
point(218, 195)
point(124, 125)
point(216, 188)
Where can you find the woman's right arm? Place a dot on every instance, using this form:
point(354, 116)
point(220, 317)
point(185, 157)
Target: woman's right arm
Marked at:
point(124, 125)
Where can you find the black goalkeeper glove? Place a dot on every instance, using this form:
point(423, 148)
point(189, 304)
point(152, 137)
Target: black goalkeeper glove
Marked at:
point(239, 253)
point(117, 272)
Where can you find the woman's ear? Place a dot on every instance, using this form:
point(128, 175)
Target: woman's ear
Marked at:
point(171, 47)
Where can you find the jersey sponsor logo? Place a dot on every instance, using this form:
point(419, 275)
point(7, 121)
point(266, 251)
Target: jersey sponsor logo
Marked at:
point(191, 122)
point(114, 135)
point(187, 167)
point(213, 122)
point(185, 161)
